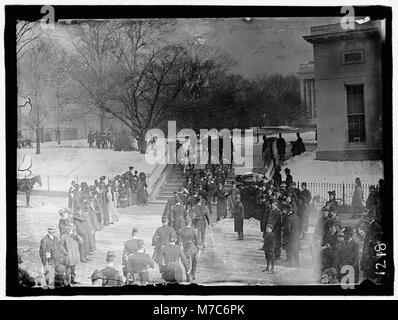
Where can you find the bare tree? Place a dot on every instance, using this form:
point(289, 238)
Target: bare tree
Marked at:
point(35, 80)
point(26, 33)
point(135, 70)
point(91, 62)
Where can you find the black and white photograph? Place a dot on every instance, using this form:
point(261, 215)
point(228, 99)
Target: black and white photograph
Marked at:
point(215, 151)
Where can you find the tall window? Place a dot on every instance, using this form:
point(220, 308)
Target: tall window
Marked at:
point(355, 113)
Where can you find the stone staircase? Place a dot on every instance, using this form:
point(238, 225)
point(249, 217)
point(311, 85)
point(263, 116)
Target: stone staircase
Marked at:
point(175, 180)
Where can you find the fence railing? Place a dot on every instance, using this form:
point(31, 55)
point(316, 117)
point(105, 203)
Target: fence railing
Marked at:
point(343, 190)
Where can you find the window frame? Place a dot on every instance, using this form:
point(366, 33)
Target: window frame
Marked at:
point(347, 86)
point(344, 52)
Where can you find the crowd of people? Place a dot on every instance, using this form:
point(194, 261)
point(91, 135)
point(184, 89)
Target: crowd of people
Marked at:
point(90, 209)
point(119, 140)
point(280, 206)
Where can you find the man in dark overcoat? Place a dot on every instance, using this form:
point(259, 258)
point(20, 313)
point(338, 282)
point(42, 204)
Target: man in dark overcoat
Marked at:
point(348, 254)
point(275, 219)
point(239, 215)
point(281, 147)
point(292, 230)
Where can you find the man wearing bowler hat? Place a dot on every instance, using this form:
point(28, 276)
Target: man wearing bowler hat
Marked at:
point(275, 219)
point(51, 254)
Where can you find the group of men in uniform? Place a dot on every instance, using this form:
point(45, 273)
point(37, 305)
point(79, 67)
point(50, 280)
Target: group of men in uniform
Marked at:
point(172, 247)
point(283, 211)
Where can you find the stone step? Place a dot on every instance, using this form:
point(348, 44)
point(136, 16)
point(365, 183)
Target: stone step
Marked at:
point(163, 198)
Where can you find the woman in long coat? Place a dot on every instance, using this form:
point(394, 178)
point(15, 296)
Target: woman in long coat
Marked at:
point(357, 199)
point(239, 215)
point(97, 211)
point(81, 229)
point(90, 227)
point(231, 199)
point(113, 217)
point(104, 206)
point(70, 242)
point(221, 195)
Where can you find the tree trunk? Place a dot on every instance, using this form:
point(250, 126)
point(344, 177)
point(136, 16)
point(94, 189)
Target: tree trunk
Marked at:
point(37, 140)
point(102, 121)
point(142, 142)
point(58, 134)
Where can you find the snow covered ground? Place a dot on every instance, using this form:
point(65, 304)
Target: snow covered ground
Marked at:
point(288, 133)
point(58, 166)
point(305, 168)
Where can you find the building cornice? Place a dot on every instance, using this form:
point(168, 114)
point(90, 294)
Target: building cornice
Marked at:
point(348, 35)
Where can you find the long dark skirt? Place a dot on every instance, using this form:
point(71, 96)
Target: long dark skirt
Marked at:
point(238, 225)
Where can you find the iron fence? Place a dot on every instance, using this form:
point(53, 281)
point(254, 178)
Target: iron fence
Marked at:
point(344, 191)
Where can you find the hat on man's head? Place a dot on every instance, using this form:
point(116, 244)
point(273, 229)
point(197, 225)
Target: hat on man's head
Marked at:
point(102, 178)
point(332, 192)
point(287, 170)
point(52, 229)
point(131, 167)
point(165, 219)
point(304, 183)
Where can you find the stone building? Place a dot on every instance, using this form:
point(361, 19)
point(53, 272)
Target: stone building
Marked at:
point(307, 90)
point(347, 87)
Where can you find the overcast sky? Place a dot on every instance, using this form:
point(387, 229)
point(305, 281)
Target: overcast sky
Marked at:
point(262, 45)
point(270, 45)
